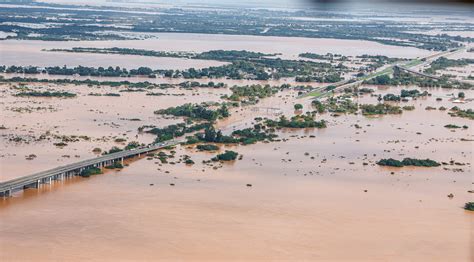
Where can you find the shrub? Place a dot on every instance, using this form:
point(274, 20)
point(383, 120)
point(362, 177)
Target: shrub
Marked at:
point(227, 156)
point(452, 126)
point(115, 165)
point(419, 162)
point(207, 147)
point(469, 206)
point(390, 162)
point(90, 172)
point(408, 162)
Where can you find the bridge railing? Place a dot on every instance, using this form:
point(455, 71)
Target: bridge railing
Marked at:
point(21, 181)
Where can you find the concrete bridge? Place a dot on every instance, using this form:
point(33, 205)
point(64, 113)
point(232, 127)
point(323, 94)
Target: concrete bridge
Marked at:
point(63, 172)
point(416, 72)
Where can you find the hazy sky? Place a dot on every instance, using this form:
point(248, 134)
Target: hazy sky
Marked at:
point(266, 3)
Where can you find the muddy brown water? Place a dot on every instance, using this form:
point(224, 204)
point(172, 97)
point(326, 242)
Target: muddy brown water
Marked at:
point(311, 198)
point(323, 205)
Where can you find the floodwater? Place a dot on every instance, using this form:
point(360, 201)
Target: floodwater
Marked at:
point(26, 53)
point(310, 199)
point(168, 80)
point(317, 195)
point(21, 52)
point(102, 118)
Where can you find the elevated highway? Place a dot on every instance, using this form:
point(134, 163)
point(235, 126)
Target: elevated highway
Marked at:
point(62, 172)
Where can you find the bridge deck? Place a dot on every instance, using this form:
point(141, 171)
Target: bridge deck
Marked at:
point(19, 183)
point(416, 72)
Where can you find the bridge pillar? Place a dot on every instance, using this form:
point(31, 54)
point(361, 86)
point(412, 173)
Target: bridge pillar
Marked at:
point(121, 160)
point(7, 193)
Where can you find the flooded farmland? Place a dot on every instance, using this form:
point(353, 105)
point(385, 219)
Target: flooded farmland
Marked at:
point(209, 204)
point(30, 52)
point(352, 144)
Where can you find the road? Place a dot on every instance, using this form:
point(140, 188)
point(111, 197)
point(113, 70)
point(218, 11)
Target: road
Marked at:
point(7, 187)
point(387, 69)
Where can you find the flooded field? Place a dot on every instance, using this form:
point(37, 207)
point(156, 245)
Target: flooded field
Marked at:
point(308, 197)
point(14, 52)
point(315, 191)
point(306, 194)
point(101, 118)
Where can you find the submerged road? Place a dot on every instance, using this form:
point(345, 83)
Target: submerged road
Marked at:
point(45, 177)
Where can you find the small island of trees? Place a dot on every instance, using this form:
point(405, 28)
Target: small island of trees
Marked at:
point(408, 162)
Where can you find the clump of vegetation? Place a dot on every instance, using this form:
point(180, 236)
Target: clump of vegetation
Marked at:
point(443, 63)
point(298, 107)
point(452, 126)
point(469, 206)
point(380, 109)
point(408, 108)
point(112, 150)
point(189, 161)
point(90, 172)
point(319, 106)
point(251, 94)
point(413, 93)
point(192, 84)
point(391, 97)
point(46, 94)
point(457, 112)
point(244, 136)
point(196, 111)
point(60, 144)
point(88, 82)
point(132, 145)
point(228, 155)
point(97, 150)
point(207, 147)
point(298, 121)
point(163, 157)
point(327, 56)
point(172, 131)
point(408, 162)
point(115, 165)
point(404, 94)
point(365, 90)
point(341, 104)
point(112, 94)
point(390, 162)
point(403, 78)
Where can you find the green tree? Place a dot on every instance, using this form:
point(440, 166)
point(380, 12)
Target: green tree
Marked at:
point(210, 134)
